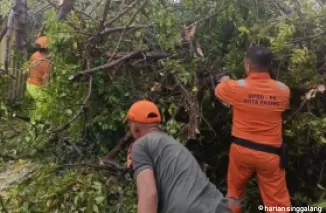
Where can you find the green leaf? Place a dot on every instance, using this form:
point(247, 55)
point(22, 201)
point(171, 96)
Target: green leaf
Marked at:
point(320, 186)
point(243, 29)
point(68, 111)
point(100, 199)
point(138, 34)
point(323, 140)
point(95, 208)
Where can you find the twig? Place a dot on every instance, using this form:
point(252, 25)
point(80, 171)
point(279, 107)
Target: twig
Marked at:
point(209, 16)
point(113, 153)
point(64, 9)
point(74, 146)
point(16, 132)
point(306, 38)
point(85, 14)
point(65, 126)
point(114, 30)
point(105, 14)
point(77, 32)
point(14, 129)
point(192, 107)
point(283, 8)
point(124, 30)
point(105, 66)
point(116, 17)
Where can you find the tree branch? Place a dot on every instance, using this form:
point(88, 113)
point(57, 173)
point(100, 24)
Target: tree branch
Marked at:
point(114, 152)
point(306, 38)
point(105, 14)
point(193, 108)
point(116, 17)
point(114, 30)
point(124, 30)
point(105, 66)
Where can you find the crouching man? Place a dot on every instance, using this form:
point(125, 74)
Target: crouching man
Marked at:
point(169, 179)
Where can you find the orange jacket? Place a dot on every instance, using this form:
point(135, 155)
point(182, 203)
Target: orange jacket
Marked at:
point(258, 103)
point(39, 67)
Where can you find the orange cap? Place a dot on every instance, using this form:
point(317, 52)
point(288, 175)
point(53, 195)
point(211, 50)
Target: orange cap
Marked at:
point(145, 112)
point(42, 41)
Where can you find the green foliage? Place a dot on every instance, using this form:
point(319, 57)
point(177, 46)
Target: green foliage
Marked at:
point(73, 192)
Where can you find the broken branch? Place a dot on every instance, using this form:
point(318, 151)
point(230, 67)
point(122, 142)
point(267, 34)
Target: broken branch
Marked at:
point(105, 66)
point(114, 152)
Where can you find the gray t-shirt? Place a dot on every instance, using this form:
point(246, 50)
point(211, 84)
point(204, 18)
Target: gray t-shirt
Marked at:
point(182, 186)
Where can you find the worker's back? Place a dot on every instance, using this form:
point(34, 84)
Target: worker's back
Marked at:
point(182, 186)
point(40, 66)
point(258, 107)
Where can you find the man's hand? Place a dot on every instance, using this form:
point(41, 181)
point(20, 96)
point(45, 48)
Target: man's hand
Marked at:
point(225, 78)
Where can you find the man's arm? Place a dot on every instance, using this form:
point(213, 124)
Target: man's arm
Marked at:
point(225, 91)
point(144, 175)
point(147, 192)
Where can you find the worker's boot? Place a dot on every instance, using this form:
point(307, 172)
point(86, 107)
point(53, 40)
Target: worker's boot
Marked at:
point(234, 205)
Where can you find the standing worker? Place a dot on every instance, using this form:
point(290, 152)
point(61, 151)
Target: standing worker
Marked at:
point(169, 179)
point(258, 104)
point(39, 72)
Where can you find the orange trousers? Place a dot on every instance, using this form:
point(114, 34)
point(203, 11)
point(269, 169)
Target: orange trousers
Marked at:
point(243, 163)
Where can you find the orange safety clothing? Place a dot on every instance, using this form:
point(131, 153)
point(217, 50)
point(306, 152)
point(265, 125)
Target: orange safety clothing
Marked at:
point(258, 103)
point(39, 67)
point(145, 112)
point(42, 41)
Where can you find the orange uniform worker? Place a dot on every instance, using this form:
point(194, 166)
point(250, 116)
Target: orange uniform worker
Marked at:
point(258, 103)
point(39, 72)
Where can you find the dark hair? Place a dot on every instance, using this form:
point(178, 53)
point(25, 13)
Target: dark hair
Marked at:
point(260, 56)
point(40, 49)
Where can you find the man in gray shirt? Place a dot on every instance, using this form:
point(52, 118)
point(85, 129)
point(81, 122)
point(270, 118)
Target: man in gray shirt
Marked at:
point(169, 179)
